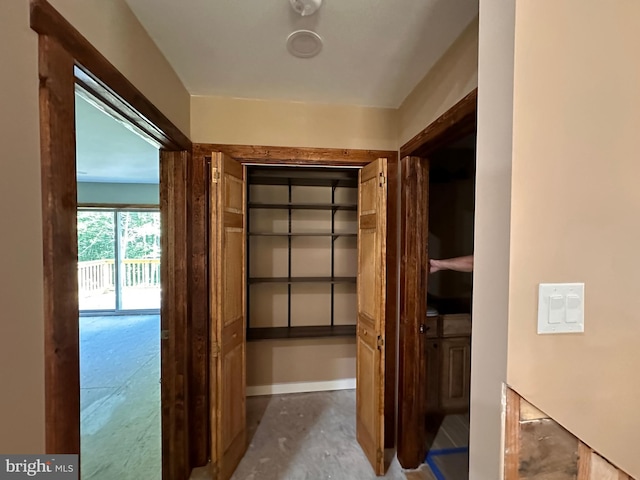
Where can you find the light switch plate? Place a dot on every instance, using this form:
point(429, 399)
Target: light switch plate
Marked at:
point(561, 308)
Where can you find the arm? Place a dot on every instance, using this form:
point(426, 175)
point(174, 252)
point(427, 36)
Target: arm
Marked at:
point(457, 264)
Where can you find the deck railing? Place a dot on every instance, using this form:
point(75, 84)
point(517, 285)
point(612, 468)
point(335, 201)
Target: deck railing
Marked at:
point(99, 275)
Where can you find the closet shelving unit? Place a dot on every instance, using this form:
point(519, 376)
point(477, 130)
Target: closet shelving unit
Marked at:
point(288, 178)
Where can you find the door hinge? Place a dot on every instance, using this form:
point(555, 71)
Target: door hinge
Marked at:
point(164, 334)
point(380, 342)
point(383, 179)
point(215, 175)
point(380, 456)
point(215, 349)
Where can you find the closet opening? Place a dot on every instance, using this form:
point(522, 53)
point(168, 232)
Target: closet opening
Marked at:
point(447, 354)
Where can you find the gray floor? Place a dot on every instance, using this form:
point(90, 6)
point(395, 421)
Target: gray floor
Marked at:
point(449, 453)
point(120, 397)
point(309, 436)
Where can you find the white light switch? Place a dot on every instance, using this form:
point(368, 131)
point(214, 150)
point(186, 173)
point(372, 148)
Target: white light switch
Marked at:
point(561, 308)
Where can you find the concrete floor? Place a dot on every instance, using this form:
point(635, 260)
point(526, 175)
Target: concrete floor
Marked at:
point(309, 436)
point(120, 397)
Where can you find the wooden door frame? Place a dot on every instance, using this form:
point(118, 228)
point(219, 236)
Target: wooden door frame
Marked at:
point(455, 123)
point(67, 60)
point(295, 156)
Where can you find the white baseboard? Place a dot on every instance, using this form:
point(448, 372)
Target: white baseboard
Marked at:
point(300, 387)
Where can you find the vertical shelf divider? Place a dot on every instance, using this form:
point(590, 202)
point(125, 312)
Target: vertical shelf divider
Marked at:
point(247, 187)
point(333, 243)
point(289, 262)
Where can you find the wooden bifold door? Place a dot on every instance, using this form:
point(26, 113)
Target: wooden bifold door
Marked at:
point(228, 317)
point(228, 341)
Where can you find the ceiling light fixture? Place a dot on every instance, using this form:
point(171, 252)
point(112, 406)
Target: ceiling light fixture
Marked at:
point(304, 43)
point(305, 7)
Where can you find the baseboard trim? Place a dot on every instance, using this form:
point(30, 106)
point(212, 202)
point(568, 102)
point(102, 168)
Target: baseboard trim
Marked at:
point(301, 387)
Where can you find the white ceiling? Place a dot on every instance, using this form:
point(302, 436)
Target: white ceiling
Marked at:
point(375, 51)
point(107, 151)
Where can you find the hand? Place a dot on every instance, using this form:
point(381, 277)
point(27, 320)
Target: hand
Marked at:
point(434, 266)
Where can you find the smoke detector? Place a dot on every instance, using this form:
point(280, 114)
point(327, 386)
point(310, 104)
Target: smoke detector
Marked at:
point(304, 43)
point(305, 7)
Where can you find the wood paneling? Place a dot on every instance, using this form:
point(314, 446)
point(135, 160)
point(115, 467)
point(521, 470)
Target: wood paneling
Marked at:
point(174, 348)
point(455, 123)
point(60, 248)
point(412, 369)
point(198, 172)
point(538, 448)
point(294, 155)
point(372, 288)
point(512, 437)
point(112, 85)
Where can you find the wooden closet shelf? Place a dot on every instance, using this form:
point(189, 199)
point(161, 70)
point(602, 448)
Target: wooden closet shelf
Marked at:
point(303, 280)
point(302, 234)
point(301, 332)
point(305, 206)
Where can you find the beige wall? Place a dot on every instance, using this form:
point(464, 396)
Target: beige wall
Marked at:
point(450, 79)
point(291, 124)
point(115, 31)
point(491, 249)
point(112, 27)
point(575, 214)
point(21, 298)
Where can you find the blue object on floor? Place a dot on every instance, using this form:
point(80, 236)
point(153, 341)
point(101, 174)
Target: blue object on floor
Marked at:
point(445, 451)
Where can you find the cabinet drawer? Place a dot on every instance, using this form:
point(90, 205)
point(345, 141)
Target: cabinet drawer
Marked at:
point(456, 325)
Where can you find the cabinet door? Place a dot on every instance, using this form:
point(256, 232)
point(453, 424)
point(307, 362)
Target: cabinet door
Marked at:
point(456, 374)
point(432, 387)
point(228, 343)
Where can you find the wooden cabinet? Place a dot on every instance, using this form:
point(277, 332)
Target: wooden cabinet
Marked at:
point(448, 363)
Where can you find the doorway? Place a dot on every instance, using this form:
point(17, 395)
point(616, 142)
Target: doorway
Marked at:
point(435, 347)
point(119, 280)
point(65, 60)
point(226, 260)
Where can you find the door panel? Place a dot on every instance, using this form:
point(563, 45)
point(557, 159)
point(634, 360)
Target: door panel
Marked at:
point(370, 357)
point(228, 351)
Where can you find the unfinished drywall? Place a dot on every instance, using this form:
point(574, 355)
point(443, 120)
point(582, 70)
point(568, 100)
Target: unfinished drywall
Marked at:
point(574, 216)
point(111, 25)
point(450, 79)
point(291, 124)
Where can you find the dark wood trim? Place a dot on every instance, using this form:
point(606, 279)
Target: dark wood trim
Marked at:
point(512, 437)
point(412, 368)
point(174, 356)
point(109, 83)
point(198, 277)
point(60, 245)
point(294, 155)
point(120, 206)
point(455, 123)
